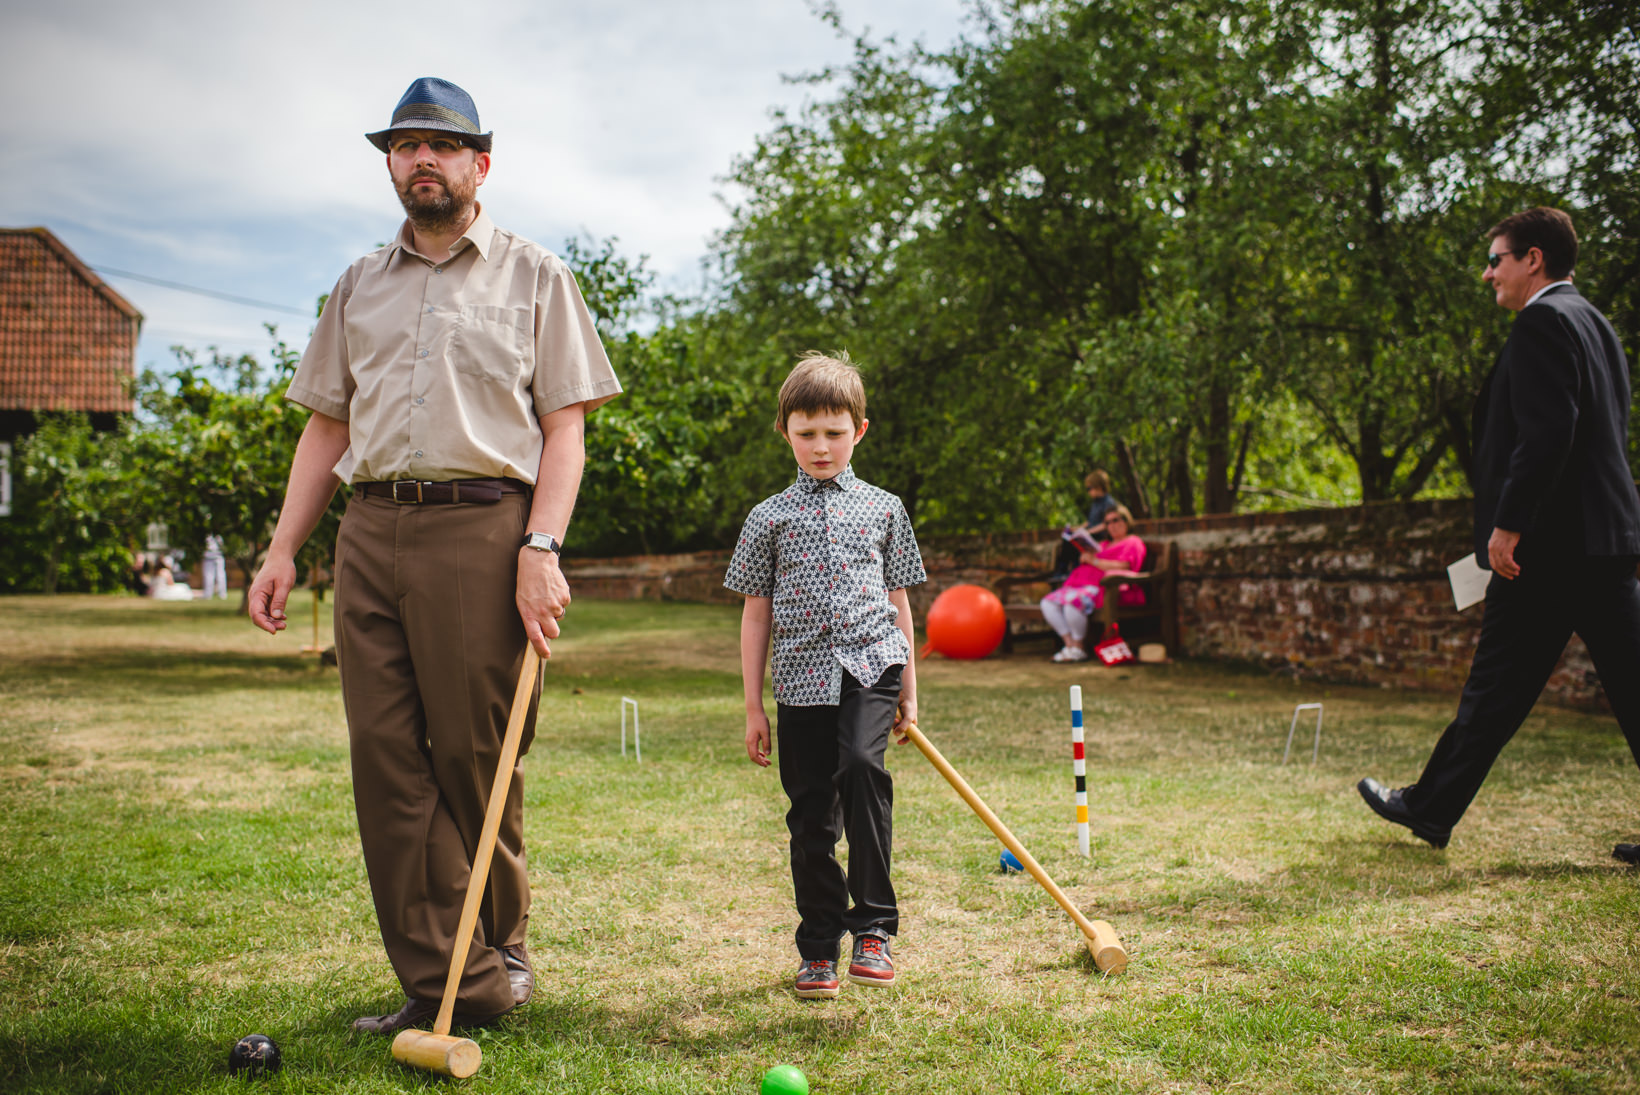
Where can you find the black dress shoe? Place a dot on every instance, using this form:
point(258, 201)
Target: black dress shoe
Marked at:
point(414, 1013)
point(417, 1013)
point(519, 972)
point(1628, 853)
point(1390, 806)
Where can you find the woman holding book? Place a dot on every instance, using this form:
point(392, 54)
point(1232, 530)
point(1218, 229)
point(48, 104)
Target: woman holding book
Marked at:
point(1067, 608)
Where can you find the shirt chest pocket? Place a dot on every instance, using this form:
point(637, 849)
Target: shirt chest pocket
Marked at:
point(493, 343)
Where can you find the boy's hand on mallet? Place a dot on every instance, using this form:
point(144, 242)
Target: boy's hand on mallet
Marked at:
point(904, 715)
point(757, 739)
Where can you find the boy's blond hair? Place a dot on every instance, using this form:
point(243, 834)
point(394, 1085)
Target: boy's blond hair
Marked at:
point(820, 383)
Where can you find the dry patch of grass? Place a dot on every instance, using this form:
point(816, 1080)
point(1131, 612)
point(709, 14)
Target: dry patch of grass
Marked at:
point(179, 865)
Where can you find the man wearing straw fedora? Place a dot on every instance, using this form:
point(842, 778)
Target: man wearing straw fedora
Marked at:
point(449, 379)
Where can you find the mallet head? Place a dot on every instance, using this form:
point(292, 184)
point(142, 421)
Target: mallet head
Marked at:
point(1107, 950)
point(446, 1053)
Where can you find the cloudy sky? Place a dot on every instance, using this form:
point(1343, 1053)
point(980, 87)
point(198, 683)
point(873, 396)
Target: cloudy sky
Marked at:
point(221, 145)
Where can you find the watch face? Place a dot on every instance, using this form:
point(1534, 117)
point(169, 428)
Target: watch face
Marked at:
point(541, 541)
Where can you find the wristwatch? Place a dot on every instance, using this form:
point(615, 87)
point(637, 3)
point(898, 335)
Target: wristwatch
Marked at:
point(542, 541)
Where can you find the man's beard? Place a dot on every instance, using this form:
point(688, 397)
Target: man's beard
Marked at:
point(437, 211)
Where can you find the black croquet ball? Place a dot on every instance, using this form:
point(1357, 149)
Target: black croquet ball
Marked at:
point(253, 1055)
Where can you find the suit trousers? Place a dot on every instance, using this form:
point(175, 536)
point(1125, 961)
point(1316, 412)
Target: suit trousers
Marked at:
point(1523, 634)
point(831, 767)
point(429, 645)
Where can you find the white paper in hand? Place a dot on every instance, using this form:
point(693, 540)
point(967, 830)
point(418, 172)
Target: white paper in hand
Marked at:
point(1468, 580)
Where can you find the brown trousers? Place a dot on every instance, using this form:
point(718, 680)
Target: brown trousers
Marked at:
point(429, 645)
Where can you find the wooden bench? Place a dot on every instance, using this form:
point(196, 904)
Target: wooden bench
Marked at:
point(1021, 594)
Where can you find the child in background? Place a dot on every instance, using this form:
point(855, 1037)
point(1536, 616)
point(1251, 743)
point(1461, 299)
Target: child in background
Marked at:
point(1100, 503)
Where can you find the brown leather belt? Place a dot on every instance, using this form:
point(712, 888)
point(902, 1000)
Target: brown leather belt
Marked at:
point(419, 492)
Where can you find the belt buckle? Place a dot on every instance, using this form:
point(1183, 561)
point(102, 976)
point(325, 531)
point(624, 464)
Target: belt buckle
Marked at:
point(397, 483)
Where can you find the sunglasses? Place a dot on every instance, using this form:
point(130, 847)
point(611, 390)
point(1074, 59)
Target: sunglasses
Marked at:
point(1495, 257)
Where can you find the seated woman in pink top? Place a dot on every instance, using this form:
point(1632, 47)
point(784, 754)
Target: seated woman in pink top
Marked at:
point(1067, 608)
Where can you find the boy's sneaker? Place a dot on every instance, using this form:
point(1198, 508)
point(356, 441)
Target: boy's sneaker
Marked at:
point(872, 964)
point(817, 980)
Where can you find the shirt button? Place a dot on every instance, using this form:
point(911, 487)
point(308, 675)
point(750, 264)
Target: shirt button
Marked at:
point(438, 269)
point(418, 452)
point(429, 309)
point(420, 400)
point(424, 353)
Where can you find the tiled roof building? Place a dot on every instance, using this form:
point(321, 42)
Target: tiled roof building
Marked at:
point(67, 341)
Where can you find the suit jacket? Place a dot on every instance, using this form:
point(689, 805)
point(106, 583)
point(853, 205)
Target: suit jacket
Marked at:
point(1551, 429)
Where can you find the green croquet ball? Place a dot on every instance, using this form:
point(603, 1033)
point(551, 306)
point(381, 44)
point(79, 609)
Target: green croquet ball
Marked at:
point(785, 1080)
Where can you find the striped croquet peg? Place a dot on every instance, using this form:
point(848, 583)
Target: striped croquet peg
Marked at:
point(1079, 766)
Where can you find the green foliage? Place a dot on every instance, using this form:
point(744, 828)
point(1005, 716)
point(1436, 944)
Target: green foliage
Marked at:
point(654, 471)
point(1118, 232)
point(216, 440)
point(70, 529)
point(652, 479)
point(1228, 250)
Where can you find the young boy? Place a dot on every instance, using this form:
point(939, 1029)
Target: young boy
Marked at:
point(824, 566)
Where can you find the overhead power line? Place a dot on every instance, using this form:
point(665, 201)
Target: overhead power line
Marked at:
point(204, 292)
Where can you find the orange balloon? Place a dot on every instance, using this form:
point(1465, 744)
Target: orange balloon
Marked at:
point(965, 621)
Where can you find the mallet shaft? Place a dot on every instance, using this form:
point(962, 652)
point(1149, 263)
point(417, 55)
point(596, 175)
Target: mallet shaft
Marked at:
point(487, 837)
point(1103, 942)
point(438, 1050)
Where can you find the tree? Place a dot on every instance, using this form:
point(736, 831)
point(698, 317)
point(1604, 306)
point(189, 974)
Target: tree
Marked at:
point(70, 528)
point(975, 224)
point(216, 440)
point(1578, 62)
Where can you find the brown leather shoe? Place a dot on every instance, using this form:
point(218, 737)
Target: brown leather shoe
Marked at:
point(414, 1013)
point(519, 972)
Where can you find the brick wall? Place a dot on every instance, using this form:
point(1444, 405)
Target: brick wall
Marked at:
point(1357, 595)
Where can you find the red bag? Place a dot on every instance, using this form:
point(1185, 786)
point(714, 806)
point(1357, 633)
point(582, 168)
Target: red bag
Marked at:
point(1114, 649)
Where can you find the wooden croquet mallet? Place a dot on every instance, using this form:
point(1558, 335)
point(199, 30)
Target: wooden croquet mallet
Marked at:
point(438, 1050)
point(1103, 942)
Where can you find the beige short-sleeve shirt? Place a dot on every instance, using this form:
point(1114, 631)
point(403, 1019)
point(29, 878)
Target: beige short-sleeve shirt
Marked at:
point(443, 370)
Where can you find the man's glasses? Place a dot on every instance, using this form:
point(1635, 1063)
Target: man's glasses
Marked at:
point(1495, 257)
point(407, 146)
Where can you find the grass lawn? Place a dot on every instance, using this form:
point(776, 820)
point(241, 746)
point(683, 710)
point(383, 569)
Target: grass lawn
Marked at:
point(179, 867)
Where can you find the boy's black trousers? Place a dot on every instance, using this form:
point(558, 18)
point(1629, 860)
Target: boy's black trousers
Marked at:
point(831, 766)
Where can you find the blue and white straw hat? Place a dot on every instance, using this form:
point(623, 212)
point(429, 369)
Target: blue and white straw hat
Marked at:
point(432, 103)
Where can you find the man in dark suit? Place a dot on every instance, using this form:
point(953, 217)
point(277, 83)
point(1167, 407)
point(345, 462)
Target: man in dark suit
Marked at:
point(1557, 521)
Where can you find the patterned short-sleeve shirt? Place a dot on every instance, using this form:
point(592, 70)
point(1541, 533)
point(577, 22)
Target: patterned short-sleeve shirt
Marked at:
point(828, 552)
